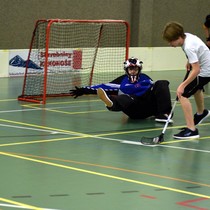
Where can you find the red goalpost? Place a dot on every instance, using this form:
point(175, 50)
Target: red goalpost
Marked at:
point(69, 53)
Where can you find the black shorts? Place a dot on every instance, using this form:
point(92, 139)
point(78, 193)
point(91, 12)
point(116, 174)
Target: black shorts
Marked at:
point(197, 84)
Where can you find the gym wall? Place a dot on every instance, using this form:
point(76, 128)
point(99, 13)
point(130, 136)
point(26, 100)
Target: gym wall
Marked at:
point(146, 17)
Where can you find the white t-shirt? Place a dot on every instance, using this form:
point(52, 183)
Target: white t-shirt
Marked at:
point(196, 51)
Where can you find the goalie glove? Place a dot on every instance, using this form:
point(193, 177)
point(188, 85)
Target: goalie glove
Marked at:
point(77, 92)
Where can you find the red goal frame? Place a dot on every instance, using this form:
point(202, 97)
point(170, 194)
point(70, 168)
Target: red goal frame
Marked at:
point(42, 98)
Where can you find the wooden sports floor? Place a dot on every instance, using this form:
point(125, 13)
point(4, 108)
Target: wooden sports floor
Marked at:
point(74, 154)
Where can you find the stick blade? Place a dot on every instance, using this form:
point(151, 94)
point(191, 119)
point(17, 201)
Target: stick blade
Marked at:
point(152, 140)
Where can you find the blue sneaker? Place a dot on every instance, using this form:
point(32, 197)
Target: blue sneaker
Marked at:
point(186, 133)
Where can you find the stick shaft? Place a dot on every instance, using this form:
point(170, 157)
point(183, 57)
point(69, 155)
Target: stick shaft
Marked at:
point(170, 115)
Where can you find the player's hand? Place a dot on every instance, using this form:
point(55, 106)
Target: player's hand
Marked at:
point(77, 92)
point(180, 90)
point(188, 66)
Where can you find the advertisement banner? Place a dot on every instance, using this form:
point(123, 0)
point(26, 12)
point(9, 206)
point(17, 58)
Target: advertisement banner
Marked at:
point(62, 60)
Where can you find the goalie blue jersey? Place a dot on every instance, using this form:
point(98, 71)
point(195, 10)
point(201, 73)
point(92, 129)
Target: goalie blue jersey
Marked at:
point(122, 85)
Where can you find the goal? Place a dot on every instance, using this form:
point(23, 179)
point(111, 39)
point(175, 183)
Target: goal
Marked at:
point(68, 53)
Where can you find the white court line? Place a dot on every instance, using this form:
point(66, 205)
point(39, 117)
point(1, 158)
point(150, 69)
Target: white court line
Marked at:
point(22, 110)
point(113, 139)
point(41, 108)
point(37, 109)
point(35, 129)
point(155, 145)
point(184, 148)
point(21, 207)
point(168, 146)
point(138, 143)
point(96, 137)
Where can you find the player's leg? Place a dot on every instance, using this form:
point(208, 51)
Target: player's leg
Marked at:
point(138, 107)
point(201, 113)
point(134, 107)
point(190, 131)
point(114, 103)
point(188, 112)
point(199, 100)
point(104, 97)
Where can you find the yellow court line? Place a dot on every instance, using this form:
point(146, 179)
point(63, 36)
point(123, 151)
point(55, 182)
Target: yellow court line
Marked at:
point(20, 204)
point(185, 140)
point(107, 175)
point(64, 112)
point(5, 100)
point(64, 102)
point(43, 127)
point(155, 129)
point(73, 102)
point(146, 130)
point(111, 167)
point(68, 102)
point(42, 141)
point(71, 113)
point(79, 137)
point(82, 135)
point(106, 134)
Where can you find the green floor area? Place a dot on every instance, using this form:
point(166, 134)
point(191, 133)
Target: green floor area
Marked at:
point(74, 154)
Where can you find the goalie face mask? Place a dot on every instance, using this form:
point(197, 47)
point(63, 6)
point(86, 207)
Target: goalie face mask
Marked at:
point(133, 69)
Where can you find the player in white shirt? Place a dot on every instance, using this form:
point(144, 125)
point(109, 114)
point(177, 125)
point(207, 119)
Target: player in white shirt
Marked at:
point(198, 56)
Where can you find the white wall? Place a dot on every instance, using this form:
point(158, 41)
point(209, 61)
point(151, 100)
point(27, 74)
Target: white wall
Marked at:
point(160, 58)
point(154, 59)
point(4, 63)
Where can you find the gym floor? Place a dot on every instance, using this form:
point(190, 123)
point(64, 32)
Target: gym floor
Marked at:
point(74, 154)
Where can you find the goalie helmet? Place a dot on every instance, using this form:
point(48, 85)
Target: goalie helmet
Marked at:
point(131, 63)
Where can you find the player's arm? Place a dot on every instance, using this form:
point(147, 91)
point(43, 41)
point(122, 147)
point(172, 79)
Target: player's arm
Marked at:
point(109, 88)
point(79, 91)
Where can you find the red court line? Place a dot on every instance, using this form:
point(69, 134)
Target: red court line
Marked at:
point(148, 196)
point(187, 203)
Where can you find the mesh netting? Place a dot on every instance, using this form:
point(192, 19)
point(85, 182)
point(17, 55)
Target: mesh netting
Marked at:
point(74, 53)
